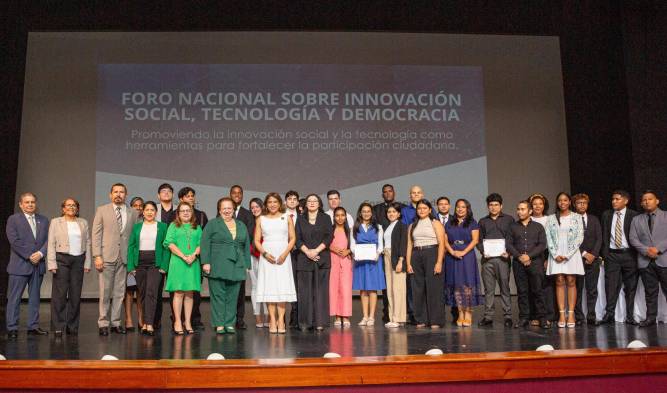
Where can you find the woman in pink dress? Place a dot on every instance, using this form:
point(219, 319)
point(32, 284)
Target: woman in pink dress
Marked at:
point(340, 278)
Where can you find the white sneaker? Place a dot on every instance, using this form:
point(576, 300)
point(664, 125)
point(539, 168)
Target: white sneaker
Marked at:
point(363, 322)
point(370, 322)
point(391, 325)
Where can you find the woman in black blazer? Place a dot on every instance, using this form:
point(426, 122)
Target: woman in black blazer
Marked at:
point(313, 264)
point(395, 246)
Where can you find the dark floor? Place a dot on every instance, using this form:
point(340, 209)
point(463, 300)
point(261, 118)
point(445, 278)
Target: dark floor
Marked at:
point(256, 343)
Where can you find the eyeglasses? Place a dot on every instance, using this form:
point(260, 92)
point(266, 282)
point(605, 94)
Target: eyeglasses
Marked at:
point(185, 211)
point(74, 206)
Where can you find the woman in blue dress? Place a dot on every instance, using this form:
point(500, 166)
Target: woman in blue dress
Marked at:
point(462, 286)
point(368, 274)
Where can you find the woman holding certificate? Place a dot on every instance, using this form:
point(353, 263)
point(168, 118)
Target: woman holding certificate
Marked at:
point(565, 233)
point(424, 256)
point(462, 286)
point(368, 264)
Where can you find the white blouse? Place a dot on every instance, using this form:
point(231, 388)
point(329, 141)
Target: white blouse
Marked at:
point(147, 237)
point(74, 237)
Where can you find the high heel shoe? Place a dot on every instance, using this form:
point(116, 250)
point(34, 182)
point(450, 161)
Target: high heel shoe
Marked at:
point(561, 324)
point(571, 325)
point(467, 321)
point(459, 321)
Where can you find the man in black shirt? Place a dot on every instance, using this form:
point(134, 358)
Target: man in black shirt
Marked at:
point(495, 268)
point(590, 252)
point(165, 208)
point(526, 241)
point(242, 214)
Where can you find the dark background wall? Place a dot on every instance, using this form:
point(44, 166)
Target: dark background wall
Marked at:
point(613, 58)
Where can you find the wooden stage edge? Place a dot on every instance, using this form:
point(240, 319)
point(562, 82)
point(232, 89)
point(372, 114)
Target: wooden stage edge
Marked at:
point(313, 372)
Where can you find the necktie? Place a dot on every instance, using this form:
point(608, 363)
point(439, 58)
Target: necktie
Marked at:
point(618, 231)
point(291, 216)
point(650, 222)
point(119, 218)
point(33, 227)
point(583, 221)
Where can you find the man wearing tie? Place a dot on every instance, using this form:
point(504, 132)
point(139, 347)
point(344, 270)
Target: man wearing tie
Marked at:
point(590, 252)
point(27, 233)
point(245, 216)
point(443, 204)
point(620, 260)
point(648, 234)
point(112, 227)
point(292, 204)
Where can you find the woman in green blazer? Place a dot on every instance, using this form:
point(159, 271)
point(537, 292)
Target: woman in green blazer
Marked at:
point(225, 258)
point(148, 261)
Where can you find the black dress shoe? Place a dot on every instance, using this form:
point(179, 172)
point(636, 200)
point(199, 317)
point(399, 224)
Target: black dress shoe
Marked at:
point(129, 329)
point(12, 334)
point(73, 331)
point(118, 329)
point(198, 326)
point(591, 322)
point(293, 323)
point(608, 318)
point(579, 322)
point(508, 322)
point(647, 323)
point(37, 332)
point(631, 321)
point(104, 331)
point(485, 322)
point(522, 323)
point(544, 324)
point(240, 324)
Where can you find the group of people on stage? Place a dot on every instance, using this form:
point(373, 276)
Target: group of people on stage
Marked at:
point(420, 256)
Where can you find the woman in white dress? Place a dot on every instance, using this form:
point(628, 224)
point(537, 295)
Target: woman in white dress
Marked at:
point(565, 233)
point(274, 239)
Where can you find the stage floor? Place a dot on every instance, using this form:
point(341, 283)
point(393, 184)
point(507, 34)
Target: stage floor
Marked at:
point(355, 341)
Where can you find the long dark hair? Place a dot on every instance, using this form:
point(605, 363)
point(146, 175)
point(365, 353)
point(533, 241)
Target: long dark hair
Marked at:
point(558, 208)
point(346, 228)
point(320, 209)
point(469, 216)
point(415, 220)
point(358, 221)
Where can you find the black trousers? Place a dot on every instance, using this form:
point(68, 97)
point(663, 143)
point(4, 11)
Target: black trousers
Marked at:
point(621, 268)
point(313, 298)
point(294, 306)
point(66, 291)
point(148, 278)
point(589, 281)
point(529, 287)
point(427, 288)
point(653, 277)
point(240, 303)
point(549, 296)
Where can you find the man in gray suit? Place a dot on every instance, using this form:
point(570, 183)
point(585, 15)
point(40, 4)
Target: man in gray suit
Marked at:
point(27, 233)
point(648, 234)
point(112, 227)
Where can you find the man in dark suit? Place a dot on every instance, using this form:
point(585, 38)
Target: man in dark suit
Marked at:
point(27, 233)
point(590, 252)
point(648, 234)
point(620, 260)
point(245, 216)
point(380, 213)
point(443, 204)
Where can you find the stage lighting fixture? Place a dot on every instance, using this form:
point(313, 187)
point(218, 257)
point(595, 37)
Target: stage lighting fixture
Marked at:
point(331, 355)
point(545, 348)
point(215, 356)
point(636, 344)
point(109, 357)
point(434, 352)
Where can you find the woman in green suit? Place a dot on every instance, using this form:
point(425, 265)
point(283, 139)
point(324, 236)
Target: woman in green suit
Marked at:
point(183, 237)
point(225, 255)
point(148, 261)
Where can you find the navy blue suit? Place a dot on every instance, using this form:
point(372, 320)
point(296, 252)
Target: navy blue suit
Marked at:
point(21, 271)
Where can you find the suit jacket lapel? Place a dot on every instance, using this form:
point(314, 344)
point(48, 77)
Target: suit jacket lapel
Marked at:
point(27, 225)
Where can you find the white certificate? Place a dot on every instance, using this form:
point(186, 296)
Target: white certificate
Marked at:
point(494, 247)
point(365, 252)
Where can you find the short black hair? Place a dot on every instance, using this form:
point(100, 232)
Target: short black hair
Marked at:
point(291, 193)
point(443, 198)
point(650, 192)
point(185, 191)
point(112, 187)
point(235, 186)
point(165, 185)
point(387, 185)
point(332, 192)
point(622, 193)
point(494, 197)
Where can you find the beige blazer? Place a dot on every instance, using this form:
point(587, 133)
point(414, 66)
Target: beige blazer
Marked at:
point(107, 239)
point(59, 241)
